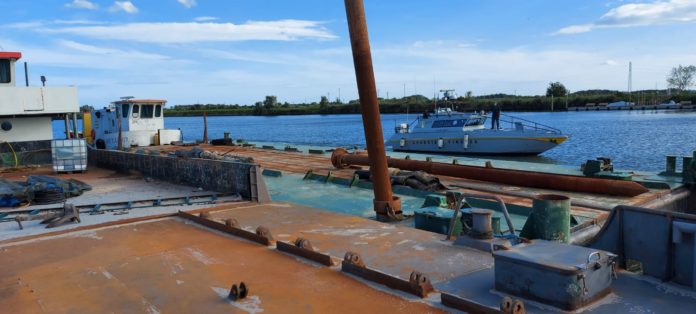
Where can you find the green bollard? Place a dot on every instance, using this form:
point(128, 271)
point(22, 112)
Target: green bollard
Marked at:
point(549, 220)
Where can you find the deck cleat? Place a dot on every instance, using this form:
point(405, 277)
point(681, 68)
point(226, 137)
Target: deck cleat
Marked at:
point(265, 233)
point(304, 244)
point(420, 282)
point(353, 259)
point(232, 223)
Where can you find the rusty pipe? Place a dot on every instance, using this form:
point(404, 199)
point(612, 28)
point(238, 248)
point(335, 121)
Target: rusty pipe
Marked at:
point(385, 203)
point(341, 159)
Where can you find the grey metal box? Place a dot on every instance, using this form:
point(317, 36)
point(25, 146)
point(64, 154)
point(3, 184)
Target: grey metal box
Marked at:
point(565, 276)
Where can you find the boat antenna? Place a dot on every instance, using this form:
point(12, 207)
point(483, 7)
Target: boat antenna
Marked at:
point(448, 94)
point(407, 103)
point(127, 97)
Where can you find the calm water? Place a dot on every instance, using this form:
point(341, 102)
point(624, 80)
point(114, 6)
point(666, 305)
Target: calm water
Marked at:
point(635, 140)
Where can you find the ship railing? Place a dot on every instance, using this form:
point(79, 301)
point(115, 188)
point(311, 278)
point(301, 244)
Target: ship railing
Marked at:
point(516, 122)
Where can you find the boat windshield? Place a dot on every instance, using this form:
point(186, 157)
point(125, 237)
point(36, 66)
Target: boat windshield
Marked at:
point(457, 123)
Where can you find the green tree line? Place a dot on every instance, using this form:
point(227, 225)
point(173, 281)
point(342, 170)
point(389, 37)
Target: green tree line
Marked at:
point(420, 103)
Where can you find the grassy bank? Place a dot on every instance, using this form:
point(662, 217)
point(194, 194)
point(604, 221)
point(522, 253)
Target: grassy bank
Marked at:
point(419, 103)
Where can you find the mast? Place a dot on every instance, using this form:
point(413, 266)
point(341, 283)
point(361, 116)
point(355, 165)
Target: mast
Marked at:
point(630, 79)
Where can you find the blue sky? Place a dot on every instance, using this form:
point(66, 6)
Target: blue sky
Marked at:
point(238, 51)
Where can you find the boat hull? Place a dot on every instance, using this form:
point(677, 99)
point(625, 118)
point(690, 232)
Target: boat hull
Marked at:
point(483, 142)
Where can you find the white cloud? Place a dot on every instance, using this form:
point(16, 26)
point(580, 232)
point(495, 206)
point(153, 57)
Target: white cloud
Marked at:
point(77, 22)
point(169, 33)
point(95, 50)
point(641, 14)
point(188, 3)
point(125, 6)
point(206, 19)
point(82, 4)
point(576, 29)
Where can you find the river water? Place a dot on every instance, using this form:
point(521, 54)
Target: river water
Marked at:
point(635, 140)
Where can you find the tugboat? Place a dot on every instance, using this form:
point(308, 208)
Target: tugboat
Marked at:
point(451, 132)
point(136, 122)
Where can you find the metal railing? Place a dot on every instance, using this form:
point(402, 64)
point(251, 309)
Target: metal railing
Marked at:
point(409, 125)
point(527, 124)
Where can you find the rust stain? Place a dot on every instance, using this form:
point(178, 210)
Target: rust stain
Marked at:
point(170, 266)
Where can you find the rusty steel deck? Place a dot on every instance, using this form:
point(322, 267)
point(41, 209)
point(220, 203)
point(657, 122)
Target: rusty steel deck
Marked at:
point(393, 249)
point(171, 265)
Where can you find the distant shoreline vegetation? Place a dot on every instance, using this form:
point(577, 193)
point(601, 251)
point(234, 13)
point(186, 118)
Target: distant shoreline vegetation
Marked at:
point(419, 103)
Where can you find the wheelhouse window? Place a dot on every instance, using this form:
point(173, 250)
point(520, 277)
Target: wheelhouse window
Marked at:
point(158, 111)
point(5, 71)
point(147, 111)
point(124, 110)
point(136, 111)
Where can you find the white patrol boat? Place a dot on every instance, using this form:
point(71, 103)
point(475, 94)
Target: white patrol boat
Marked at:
point(137, 122)
point(451, 132)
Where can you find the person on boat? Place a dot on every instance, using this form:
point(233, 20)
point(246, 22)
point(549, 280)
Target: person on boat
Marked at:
point(495, 122)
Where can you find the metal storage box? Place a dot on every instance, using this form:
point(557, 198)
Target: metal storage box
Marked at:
point(69, 155)
point(565, 276)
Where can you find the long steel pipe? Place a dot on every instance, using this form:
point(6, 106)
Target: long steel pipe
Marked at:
point(341, 159)
point(385, 203)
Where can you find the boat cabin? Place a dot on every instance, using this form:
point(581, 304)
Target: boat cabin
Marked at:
point(7, 68)
point(141, 123)
point(444, 118)
point(134, 114)
point(26, 112)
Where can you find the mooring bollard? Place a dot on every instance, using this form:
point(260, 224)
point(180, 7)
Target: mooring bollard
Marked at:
point(550, 218)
